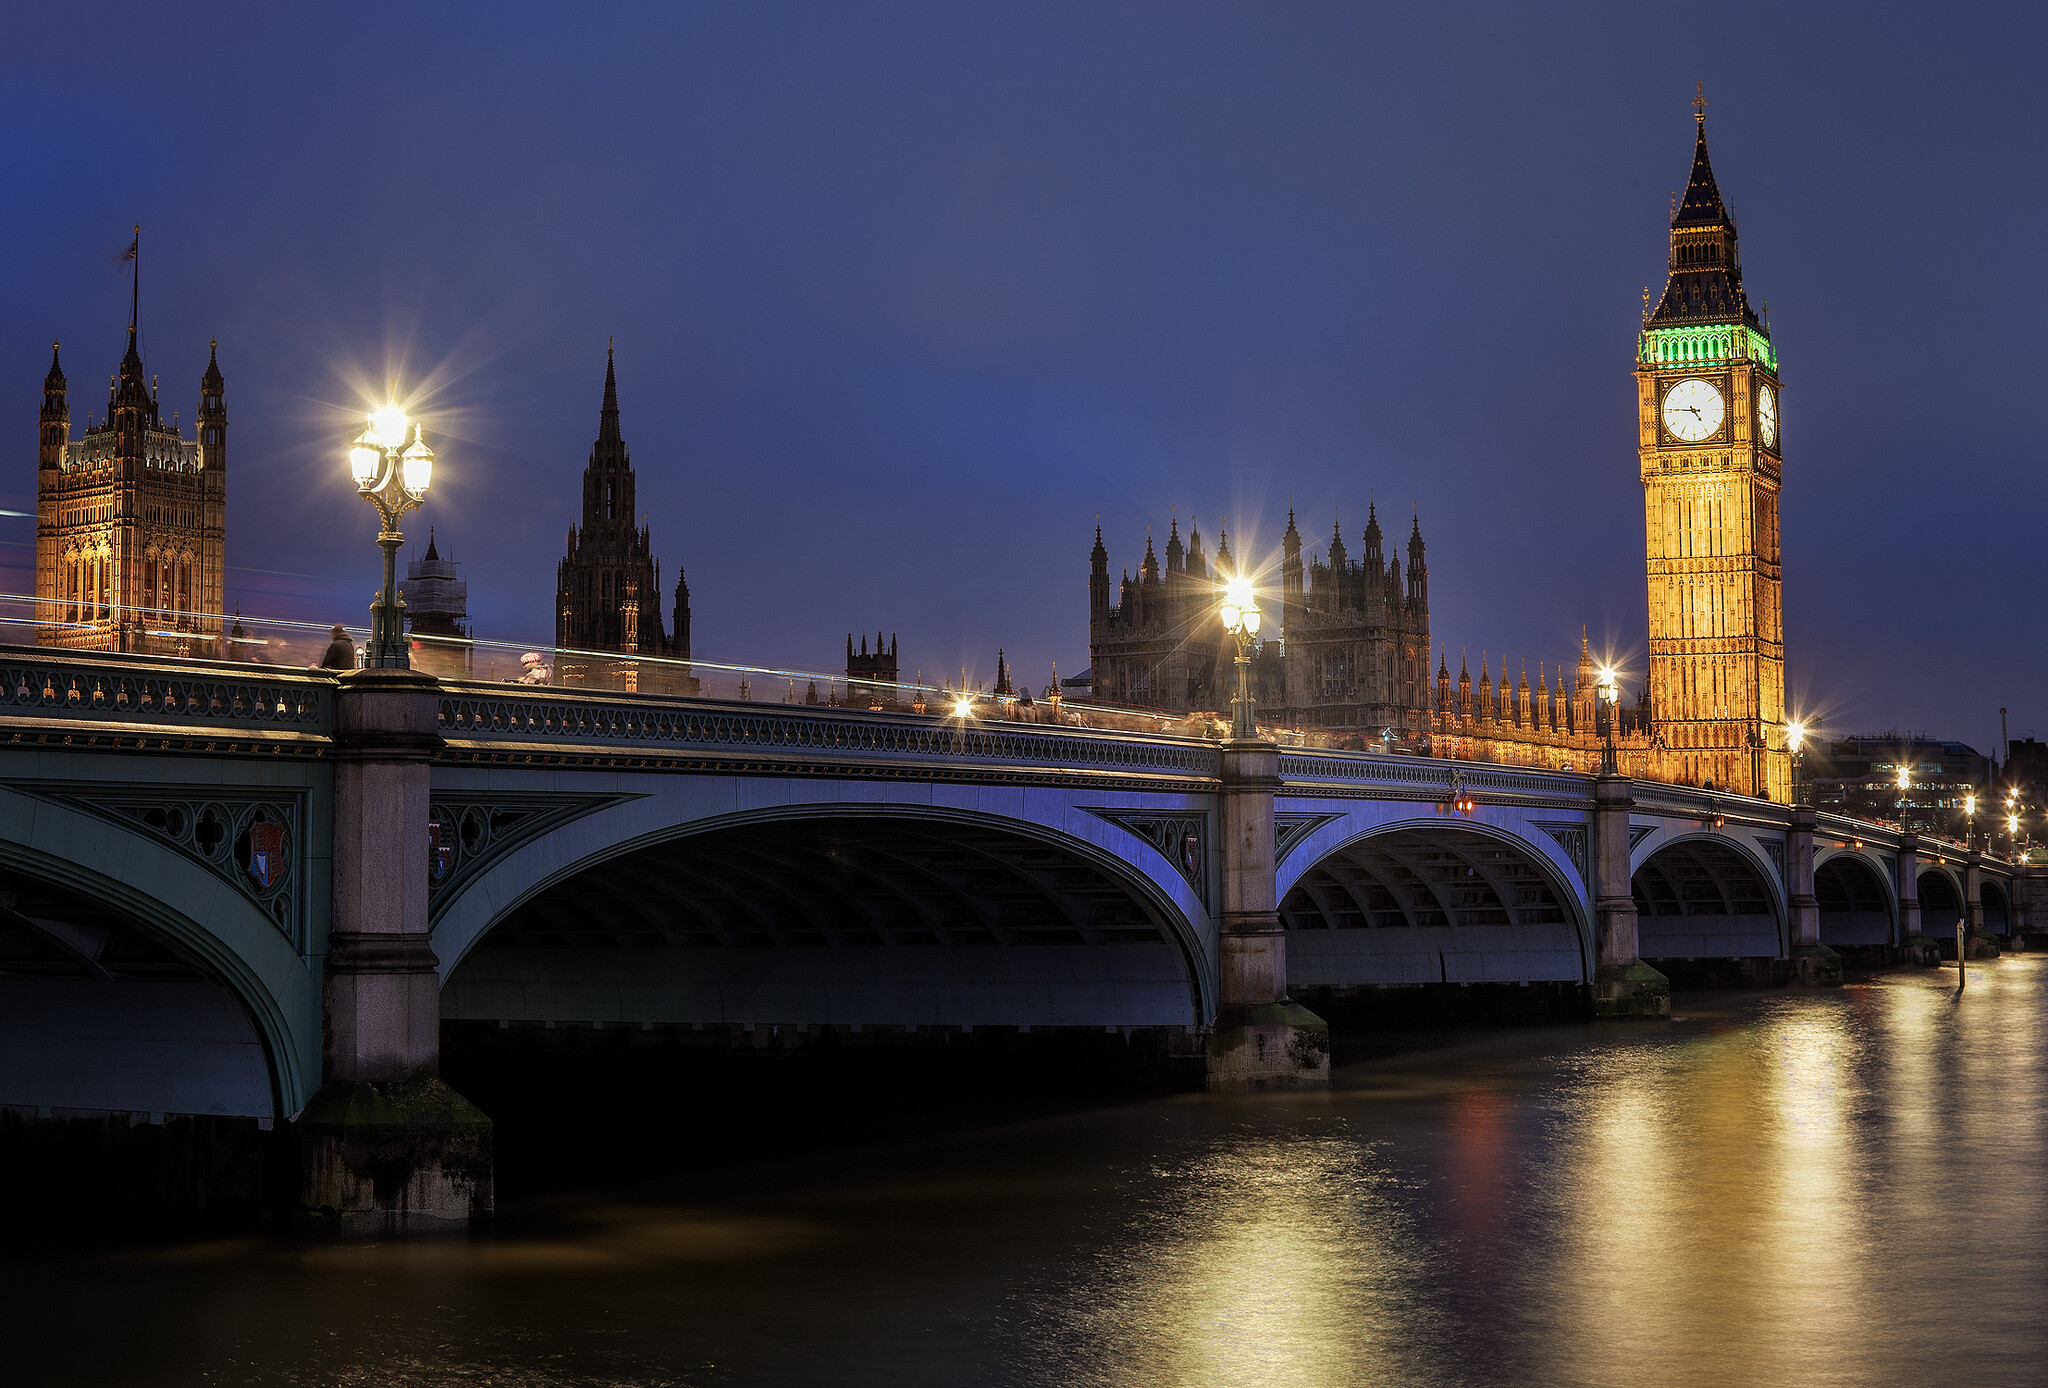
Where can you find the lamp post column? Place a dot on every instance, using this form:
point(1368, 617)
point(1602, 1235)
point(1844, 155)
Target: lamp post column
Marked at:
point(1261, 1038)
point(388, 649)
point(1623, 985)
point(386, 1149)
point(1812, 961)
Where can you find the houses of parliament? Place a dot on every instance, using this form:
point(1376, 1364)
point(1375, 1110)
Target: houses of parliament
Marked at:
point(1350, 666)
point(608, 584)
point(131, 517)
point(130, 526)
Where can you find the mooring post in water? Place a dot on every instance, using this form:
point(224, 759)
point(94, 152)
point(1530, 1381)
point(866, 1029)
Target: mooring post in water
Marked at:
point(1812, 961)
point(1261, 1039)
point(385, 1147)
point(1623, 985)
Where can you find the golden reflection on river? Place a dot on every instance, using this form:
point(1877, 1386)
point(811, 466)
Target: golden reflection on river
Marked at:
point(1241, 1276)
point(1835, 1187)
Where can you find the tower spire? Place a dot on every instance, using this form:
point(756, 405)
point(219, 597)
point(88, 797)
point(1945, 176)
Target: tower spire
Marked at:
point(135, 286)
point(608, 418)
point(1705, 284)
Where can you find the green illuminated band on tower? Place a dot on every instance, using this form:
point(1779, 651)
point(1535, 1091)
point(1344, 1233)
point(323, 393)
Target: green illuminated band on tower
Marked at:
point(1707, 343)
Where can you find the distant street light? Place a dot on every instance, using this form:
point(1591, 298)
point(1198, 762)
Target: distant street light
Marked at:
point(394, 477)
point(1795, 742)
point(1240, 613)
point(1608, 700)
point(1905, 784)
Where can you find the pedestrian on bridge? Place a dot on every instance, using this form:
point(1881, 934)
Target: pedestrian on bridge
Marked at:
point(341, 652)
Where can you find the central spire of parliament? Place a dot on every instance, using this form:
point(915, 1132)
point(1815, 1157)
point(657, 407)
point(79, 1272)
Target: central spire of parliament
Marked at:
point(608, 586)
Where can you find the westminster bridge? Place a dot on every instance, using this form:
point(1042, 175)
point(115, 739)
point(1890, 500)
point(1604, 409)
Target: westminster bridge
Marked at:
point(228, 890)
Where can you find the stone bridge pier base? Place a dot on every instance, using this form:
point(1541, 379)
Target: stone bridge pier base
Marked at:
point(385, 1147)
point(1981, 943)
point(1261, 1039)
point(1623, 985)
point(1812, 961)
point(1912, 939)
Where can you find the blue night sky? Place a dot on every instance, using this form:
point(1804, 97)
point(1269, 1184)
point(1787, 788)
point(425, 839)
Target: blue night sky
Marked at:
point(905, 295)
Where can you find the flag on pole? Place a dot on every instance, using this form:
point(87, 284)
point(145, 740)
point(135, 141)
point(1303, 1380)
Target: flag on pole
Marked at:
point(134, 250)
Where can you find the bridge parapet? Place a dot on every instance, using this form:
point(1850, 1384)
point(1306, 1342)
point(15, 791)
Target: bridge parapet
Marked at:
point(475, 716)
point(1432, 779)
point(53, 688)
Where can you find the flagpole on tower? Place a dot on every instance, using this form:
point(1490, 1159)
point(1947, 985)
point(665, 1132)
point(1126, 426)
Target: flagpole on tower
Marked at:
point(135, 290)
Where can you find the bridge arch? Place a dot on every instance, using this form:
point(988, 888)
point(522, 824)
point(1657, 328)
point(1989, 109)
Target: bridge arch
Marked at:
point(1941, 902)
point(1997, 906)
point(134, 980)
point(1707, 896)
point(1858, 905)
point(830, 914)
point(1425, 900)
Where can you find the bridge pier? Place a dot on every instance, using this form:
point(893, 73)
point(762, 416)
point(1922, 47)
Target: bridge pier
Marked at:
point(1261, 1039)
point(1623, 985)
point(1912, 940)
point(386, 1147)
point(1978, 940)
point(1812, 961)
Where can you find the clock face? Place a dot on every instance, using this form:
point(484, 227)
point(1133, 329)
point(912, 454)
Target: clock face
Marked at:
point(1693, 410)
point(1767, 415)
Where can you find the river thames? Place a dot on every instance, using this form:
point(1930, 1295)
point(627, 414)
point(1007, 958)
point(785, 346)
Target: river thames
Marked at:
point(1832, 1187)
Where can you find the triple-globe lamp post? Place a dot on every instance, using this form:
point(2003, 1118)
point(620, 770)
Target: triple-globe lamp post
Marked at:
point(1795, 743)
point(393, 476)
point(1240, 613)
point(1607, 696)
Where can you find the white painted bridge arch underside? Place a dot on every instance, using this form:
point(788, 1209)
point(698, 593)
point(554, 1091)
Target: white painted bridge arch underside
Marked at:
point(872, 918)
point(1417, 904)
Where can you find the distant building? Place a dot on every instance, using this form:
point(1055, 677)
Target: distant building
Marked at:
point(1859, 776)
point(131, 517)
point(437, 608)
point(2026, 770)
point(608, 585)
point(871, 679)
point(1352, 652)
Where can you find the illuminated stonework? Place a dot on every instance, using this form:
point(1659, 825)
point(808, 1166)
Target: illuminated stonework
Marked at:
point(130, 519)
point(1711, 479)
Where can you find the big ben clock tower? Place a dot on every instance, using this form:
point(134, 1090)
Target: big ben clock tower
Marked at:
point(1707, 406)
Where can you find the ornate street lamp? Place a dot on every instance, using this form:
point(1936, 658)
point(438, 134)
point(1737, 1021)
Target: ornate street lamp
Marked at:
point(1905, 784)
point(1970, 819)
point(1240, 613)
point(394, 477)
point(1607, 693)
point(1795, 743)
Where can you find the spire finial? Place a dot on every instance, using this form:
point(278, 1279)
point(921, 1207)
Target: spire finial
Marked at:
point(1699, 106)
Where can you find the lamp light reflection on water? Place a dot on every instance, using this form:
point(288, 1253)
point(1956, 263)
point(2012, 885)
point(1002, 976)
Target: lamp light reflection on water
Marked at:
point(1277, 1262)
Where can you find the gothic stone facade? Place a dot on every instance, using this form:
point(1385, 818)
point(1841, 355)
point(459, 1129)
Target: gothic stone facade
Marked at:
point(1352, 654)
point(608, 586)
point(1355, 642)
point(130, 518)
point(1707, 409)
point(1707, 399)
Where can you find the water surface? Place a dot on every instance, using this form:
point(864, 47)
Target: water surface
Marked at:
point(1789, 1188)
